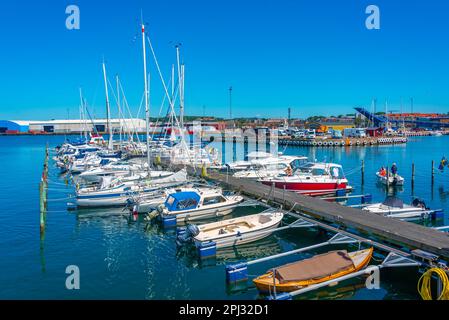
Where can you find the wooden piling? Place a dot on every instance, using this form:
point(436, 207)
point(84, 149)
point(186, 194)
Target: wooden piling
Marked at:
point(413, 176)
point(433, 172)
point(363, 172)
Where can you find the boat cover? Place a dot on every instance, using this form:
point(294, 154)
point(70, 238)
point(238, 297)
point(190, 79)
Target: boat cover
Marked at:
point(315, 268)
point(393, 202)
point(185, 200)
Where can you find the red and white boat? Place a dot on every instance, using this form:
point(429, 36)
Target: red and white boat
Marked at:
point(312, 178)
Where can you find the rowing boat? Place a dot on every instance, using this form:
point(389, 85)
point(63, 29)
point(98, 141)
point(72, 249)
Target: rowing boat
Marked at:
point(320, 268)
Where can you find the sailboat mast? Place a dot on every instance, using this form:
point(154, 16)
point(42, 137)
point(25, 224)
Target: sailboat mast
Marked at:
point(119, 107)
point(147, 107)
point(181, 91)
point(108, 109)
point(81, 113)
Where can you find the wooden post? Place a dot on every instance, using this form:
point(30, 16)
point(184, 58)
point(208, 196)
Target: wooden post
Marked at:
point(41, 207)
point(413, 175)
point(363, 172)
point(388, 176)
point(433, 172)
point(234, 149)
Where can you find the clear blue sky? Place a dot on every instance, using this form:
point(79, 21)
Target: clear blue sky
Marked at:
point(315, 56)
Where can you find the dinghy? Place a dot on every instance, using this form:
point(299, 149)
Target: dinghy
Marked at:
point(392, 180)
point(320, 268)
point(232, 232)
point(394, 207)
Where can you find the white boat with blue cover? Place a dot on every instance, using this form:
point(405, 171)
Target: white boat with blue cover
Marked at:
point(194, 205)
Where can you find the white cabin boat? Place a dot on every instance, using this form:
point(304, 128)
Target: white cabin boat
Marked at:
point(198, 204)
point(271, 167)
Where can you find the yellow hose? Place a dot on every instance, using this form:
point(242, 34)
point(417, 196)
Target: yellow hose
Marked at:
point(424, 284)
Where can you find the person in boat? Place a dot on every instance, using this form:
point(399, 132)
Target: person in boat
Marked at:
point(443, 163)
point(394, 169)
point(289, 171)
point(382, 172)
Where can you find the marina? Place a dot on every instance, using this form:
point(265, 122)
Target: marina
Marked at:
point(391, 235)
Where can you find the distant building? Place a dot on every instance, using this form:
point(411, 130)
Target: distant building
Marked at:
point(14, 126)
point(70, 126)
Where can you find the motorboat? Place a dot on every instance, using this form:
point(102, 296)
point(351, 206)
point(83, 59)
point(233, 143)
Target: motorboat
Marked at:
point(145, 203)
point(395, 208)
point(199, 204)
point(313, 179)
point(246, 165)
point(318, 269)
point(270, 167)
point(233, 232)
point(114, 169)
point(117, 192)
point(390, 179)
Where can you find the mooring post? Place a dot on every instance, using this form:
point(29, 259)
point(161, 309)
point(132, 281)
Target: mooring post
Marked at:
point(223, 147)
point(433, 172)
point(388, 178)
point(283, 196)
point(413, 176)
point(41, 207)
point(245, 148)
point(363, 172)
point(234, 149)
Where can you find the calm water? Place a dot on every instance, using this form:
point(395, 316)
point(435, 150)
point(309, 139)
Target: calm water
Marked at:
point(120, 259)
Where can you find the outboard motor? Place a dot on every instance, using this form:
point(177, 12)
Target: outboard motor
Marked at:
point(187, 234)
point(419, 203)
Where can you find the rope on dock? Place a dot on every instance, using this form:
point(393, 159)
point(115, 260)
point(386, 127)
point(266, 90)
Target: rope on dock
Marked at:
point(424, 284)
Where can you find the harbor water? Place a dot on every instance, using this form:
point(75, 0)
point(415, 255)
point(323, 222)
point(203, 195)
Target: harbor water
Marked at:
point(119, 258)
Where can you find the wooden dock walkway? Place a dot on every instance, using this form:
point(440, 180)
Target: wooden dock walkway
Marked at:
point(402, 233)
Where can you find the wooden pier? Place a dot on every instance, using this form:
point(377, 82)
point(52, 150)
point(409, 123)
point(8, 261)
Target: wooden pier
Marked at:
point(400, 233)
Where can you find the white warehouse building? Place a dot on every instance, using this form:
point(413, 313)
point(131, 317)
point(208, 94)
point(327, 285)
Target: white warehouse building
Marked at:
point(76, 126)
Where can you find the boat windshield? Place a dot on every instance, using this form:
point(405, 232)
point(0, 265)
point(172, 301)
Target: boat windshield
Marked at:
point(298, 163)
point(337, 173)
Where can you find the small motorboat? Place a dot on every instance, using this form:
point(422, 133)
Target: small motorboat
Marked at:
point(232, 232)
point(199, 204)
point(318, 269)
point(391, 180)
point(395, 208)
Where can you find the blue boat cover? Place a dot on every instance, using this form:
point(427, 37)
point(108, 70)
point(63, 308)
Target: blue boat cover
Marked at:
point(181, 201)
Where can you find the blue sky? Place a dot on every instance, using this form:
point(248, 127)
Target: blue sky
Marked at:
point(314, 56)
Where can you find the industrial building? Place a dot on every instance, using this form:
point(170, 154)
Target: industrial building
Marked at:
point(70, 126)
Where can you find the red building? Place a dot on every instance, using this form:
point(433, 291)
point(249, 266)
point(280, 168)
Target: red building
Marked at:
point(374, 132)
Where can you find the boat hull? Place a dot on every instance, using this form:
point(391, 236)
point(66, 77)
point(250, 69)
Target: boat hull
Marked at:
point(310, 189)
point(245, 238)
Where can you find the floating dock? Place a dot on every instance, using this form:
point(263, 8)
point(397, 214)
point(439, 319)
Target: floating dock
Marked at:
point(397, 232)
